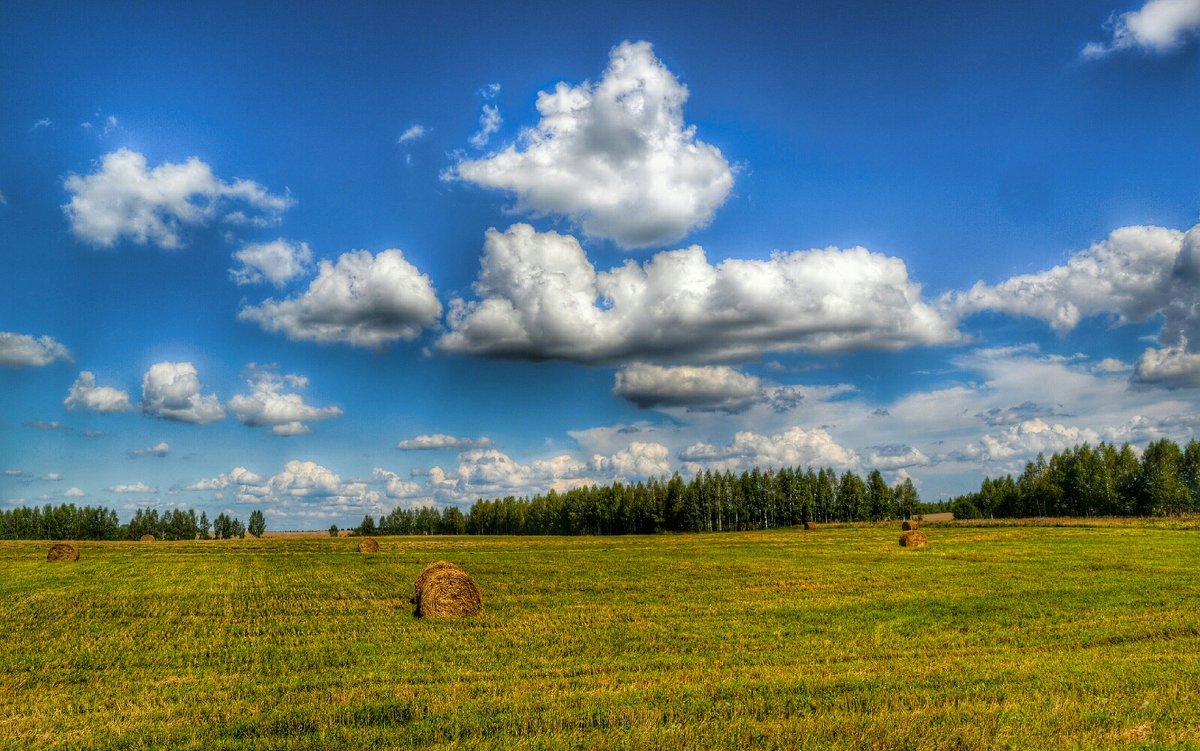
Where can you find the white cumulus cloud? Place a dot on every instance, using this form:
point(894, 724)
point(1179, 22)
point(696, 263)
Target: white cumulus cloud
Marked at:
point(269, 404)
point(702, 388)
point(793, 447)
point(362, 300)
point(412, 133)
point(23, 350)
point(171, 390)
point(74, 493)
point(614, 156)
point(123, 199)
point(85, 394)
point(277, 262)
point(539, 297)
point(137, 487)
point(1159, 26)
point(489, 122)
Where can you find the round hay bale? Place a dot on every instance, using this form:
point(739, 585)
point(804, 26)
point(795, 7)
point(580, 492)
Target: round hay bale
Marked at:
point(909, 525)
point(368, 545)
point(146, 538)
point(449, 593)
point(913, 539)
point(426, 572)
point(810, 525)
point(63, 551)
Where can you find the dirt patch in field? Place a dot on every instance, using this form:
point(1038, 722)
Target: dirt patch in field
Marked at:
point(448, 593)
point(945, 516)
point(63, 551)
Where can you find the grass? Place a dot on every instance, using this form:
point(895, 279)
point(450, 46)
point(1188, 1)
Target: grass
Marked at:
point(992, 637)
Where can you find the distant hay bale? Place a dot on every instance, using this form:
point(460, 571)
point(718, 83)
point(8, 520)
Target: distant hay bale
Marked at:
point(368, 545)
point(913, 539)
point(909, 525)
point(63, 551)
point(449, 593)
point(426, 573)
point(146, 538)
point(810, 525)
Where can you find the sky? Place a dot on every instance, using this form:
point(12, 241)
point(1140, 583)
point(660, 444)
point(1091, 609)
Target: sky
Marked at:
point(338, 260)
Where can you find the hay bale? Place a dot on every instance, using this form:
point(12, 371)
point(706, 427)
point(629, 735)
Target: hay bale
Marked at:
point(63, 551)
point(425, 574)
point(368, 545)
point(810, 525)
point(146, 538)
point(913, 539)
point(909, 525)
point(449, 593)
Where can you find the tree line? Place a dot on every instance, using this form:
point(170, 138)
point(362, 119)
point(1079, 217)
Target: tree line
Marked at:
point(709, 502)
point(70, 522)
point(1100, 481)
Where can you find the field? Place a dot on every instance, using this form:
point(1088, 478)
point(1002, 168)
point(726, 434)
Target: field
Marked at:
point(992, 637)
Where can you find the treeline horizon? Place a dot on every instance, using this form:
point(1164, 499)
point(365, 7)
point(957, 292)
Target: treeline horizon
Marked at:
point(709, 502)
point(1101, 481)
point(70, 522)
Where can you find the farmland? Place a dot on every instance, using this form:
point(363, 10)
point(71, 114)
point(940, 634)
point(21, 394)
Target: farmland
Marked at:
point(995, 636)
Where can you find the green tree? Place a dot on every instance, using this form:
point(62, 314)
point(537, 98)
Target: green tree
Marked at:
point(257, 524)
point(333, 530)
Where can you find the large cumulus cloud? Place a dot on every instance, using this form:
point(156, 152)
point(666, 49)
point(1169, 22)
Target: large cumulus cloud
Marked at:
point(539, 297)
point(614, 156)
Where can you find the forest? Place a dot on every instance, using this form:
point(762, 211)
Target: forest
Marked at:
point(1100, 481)
point(70, 522)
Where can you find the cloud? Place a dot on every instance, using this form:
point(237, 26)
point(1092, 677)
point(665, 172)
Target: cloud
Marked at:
point(1029, 438)
point(412, 133)
point(643, 459)
point(793, 447)
point(489, 122)
point(363, 300)
point(277, 262)
point(52, 477)
point(714, 388)
point(540, 298)
point(137, 487)
point(160, 449)
point(237, 476)
point(614, 157)
point(74, 493)
point(85, 394)
point(45, 122)
point(1159, 26)
point(44, 425)
point(441, 441)
point(269, 405)
point(895, 456)
point(1135, 274)
point(23, 350)
point(171, 390)
point(125, 200)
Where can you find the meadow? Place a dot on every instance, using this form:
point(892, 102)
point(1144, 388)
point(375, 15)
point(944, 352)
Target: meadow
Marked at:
point(1001, 636)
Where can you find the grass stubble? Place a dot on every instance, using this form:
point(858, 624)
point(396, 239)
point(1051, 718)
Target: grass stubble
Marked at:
point(992, 637)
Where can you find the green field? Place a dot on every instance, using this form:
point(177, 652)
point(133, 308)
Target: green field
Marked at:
point(992, 637)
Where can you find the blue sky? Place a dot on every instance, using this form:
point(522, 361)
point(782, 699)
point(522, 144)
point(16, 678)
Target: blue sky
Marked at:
point(333, 261)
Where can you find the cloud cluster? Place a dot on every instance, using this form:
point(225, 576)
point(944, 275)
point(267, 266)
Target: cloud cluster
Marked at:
point(362, 300)
point(171, 390)
point(1159, 26)
point(85, 394)
point(698, 388)
point(23, 350)
point(277, 262)
point(137, 487)
point(123, 199)
point(442, 441)
point(614, 156)
point(541, 298)
point(793, 447)
point(269, 404)
point(1136, 273)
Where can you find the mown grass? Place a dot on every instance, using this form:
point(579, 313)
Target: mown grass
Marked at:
point(992, 637)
